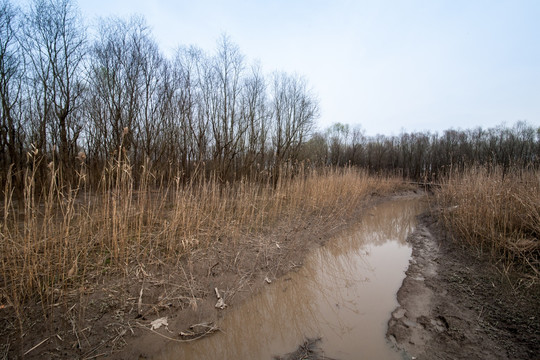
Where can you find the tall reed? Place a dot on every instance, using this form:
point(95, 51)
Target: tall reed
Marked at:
point(496, 212)
point(58, 238)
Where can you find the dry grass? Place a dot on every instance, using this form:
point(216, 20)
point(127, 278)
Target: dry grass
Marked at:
point(58, 239)
point(496, 214)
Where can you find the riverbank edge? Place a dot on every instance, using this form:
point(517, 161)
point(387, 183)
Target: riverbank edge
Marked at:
point(456, 304)
point(114, 320)
point(293, 247)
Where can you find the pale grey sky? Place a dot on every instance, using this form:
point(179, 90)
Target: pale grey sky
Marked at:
point(386, 65)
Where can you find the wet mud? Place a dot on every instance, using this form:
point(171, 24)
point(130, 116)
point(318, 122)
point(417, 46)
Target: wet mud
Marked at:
point(343, 295)
point(457, 304)
point(452, 303)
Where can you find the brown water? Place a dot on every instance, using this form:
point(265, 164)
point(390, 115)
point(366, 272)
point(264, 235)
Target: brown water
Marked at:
point(344, 294)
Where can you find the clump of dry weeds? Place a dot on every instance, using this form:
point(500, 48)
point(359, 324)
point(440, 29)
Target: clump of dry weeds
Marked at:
point(309, 350)
point(57, 240)
point(495, 212)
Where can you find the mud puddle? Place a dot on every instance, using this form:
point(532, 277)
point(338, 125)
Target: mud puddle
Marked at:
point(344, 294)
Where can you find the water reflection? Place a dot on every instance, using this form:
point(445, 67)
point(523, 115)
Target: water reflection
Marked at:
point(344, 293)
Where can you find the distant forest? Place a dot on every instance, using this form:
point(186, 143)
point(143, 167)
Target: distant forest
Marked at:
point(425, 156)
point(82, 98)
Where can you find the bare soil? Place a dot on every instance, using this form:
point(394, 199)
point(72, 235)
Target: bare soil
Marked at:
point(457, 304)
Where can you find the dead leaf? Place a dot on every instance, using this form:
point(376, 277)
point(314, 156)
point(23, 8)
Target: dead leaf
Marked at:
point(156, 324)
point(193, 304)
point(221, 304)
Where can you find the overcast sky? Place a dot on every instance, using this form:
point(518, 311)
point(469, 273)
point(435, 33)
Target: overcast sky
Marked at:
point(386, 65)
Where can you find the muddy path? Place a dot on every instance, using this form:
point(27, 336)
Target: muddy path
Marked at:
point(113, 318)
point(343, 295)
point(456, 304)
point(452, 303)
point(185, 292)
point(293, 288)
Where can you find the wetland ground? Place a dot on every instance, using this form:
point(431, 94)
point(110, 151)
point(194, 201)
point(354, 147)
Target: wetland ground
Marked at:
point(453, 304)
point(457, 304)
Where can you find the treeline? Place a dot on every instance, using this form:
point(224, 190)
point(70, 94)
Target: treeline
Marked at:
point(85, 97)
point(425, 156)
point(79, 100)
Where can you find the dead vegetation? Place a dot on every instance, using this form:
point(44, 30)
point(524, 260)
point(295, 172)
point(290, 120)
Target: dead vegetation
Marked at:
point(309, 350)
point(60, 245)
point(495, 212)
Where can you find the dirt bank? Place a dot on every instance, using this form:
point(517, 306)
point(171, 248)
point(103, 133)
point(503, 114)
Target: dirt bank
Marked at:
point(456, 304)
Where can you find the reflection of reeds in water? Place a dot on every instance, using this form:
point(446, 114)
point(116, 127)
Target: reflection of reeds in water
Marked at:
point(345, 261)
point(390, 221)
point(319, 298)
point(272, 322)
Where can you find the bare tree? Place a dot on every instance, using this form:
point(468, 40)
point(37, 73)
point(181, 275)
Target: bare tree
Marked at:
point(256, 117)
point(315, 151)
point(153, 78)
point(56, 46)
point(228, 127)
point(294, 110)
point(11, 87)
point(192, 92)
point(338, 137)
point(122, 84)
